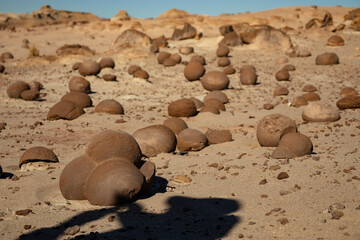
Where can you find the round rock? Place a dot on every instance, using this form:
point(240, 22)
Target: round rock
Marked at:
point(349, 102)
point(109, 77)
point(271, 127)
point(110, 143)
point(107, 62)
point(214, 102)
point(30, 95)
point(293, 145)
point(320, 112)
point(141, 74)
point(155, 139)
point(248, 76)
point(309, 88)
point(162, 56)
point(210, 109)
point(348, 91)
point(328, 58)
point(280, 91)
point(113, 182)
point(199, 59)
point(222, 50)
point(89, 67)
point(223, 62)
point(182, 108)
point(229, 70)
point(335, 40)
point(215, 80)
point(16, 88)
point(199, 104)
point(311, 96)
point(191, 140)
point(38, 154)
point(65, 110)
point(175, 124)
point(186, 50)
point(299, 101)
point(194, 71)
point(282, 75)
point(109, 106)
point(133, 68)
point(79, 84)
point(74, 177)
point(80, 98)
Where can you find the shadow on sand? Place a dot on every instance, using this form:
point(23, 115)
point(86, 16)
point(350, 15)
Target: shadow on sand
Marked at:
point(185, 218)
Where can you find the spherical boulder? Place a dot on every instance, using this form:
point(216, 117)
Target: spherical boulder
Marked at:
point(282, 75)
point(110, 143)
point(38, 154)
point(65, 110)
point(141, 74)
point(79, 84)
point(30, 95)
point(280, 91)
point(80, 98)
point(293, 145)
point(217, 94)
point(109, 106)
point(320, 112)
point(89, 67)
point(248, 76)
point(113, 182)
point(175, 124)
point(214, 102)
point(16, 88)
point(222, 50)
point(348, 102)
point(198, 58)
point(133, 68)
point(169, 62)
point(155, 139)
point(162, 56)
point(194, 71)
point(328, 58)
point(107, 62)
point(271, 127)
point(191, 140)
point(182, 108)
point(309, 88)
point(335, 40)
point(223, 62)
point(215, 136)
point(215, 80)
point(74, 176)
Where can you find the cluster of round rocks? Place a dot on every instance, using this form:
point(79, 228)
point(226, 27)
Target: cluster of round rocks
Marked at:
point(72, 104)
point(137, 72)
point(26, 91)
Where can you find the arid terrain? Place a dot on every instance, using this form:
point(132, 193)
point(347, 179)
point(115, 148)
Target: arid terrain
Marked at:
point(229, 190)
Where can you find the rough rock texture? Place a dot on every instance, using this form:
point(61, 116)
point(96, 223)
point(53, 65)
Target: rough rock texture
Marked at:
point(155, 139)
point(131, 38)
point(320, 112)
point(349, 102)
point(81, 99)
point(348, 91)
point(38, 154)
point(74, 49)
point(191, 140)
point(65, 110)
point(335, 40)
point(187, 32)
point(16, 88)
point(271, 127)
point(89, 67)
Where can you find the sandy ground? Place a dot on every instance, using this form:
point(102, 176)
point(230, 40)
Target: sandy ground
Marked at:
point(223, 202)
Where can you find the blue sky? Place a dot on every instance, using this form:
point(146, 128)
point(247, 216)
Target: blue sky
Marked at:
point(152, 8)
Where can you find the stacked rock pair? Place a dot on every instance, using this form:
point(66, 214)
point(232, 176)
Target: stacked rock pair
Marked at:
point(25, 91)
point(279, 131)
point(222, 53)
point(214, 102)
point(91, 67)
point(248, 75)
point(168, 60)
point(137, 72)
point(110, 172)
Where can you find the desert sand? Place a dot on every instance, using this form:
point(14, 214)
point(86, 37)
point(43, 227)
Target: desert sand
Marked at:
point(226, 191)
